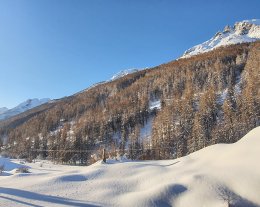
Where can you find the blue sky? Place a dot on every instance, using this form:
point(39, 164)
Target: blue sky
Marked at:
point(54, 48)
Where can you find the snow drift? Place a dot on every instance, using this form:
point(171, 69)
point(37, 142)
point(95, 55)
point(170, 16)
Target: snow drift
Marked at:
point(205, 178)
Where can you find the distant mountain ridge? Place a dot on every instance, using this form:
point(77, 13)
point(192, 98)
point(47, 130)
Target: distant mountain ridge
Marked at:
point(241, 32)
point(6, 113)
point(3, 110)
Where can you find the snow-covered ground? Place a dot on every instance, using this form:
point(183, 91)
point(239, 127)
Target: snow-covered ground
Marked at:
point(204, 178)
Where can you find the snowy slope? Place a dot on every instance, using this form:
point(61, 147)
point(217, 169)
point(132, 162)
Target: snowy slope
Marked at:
point(244, 31)
point(204, 178)
point(29, 104)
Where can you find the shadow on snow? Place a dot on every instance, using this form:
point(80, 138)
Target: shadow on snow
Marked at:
point(40, 197)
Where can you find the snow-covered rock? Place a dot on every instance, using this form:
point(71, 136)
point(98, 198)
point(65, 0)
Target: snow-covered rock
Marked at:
point(244, 31)
point(29, 104)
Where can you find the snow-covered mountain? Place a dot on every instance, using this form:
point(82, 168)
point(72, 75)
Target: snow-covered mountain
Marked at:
point(29, 104)
point(124, 73)
point(3, 110)
point(244, 31)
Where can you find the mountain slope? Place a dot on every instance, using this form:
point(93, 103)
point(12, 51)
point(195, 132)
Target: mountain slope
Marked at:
point(28, 104)
point(209, 177)
point(164, 112)
point(244, 31)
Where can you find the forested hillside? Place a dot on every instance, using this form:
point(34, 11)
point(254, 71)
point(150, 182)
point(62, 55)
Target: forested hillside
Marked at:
point(159, 113)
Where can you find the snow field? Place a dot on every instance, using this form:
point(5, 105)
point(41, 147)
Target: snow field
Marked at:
point(191, 181)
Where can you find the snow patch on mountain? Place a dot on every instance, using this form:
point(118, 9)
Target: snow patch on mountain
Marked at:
point(28, 104)
point(244, 31)
point(155, 104)
point(146, 132)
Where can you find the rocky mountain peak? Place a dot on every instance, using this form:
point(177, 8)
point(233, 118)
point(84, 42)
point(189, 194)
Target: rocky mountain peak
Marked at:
point(244, 31)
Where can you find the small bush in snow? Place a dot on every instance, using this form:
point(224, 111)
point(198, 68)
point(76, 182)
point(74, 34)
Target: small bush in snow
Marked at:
point(22, 170)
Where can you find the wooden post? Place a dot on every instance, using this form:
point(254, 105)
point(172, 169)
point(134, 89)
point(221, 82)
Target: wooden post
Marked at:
point(104, 155)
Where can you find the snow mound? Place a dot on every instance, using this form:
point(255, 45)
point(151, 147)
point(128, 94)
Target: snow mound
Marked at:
point(244, 31)
point(204, 178)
